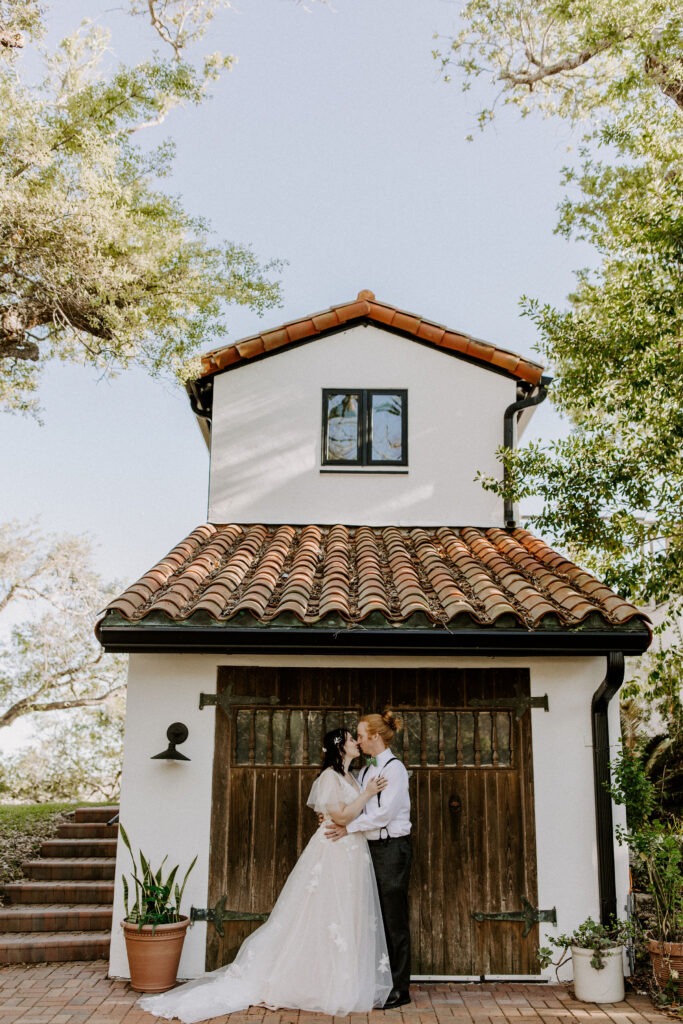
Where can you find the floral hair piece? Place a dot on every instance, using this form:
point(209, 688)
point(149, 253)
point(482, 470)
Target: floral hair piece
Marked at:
point(337, 740)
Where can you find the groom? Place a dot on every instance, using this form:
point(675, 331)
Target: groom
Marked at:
point(386, 823)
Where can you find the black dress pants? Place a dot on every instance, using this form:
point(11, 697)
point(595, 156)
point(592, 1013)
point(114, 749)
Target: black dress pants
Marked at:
point(391, 860)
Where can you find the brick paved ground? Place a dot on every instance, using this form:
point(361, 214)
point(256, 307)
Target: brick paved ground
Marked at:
point(73, 993)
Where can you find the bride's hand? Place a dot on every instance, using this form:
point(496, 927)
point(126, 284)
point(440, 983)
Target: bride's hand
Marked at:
point(376, 785)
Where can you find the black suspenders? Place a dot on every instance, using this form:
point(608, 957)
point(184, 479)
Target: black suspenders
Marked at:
point(367, 768)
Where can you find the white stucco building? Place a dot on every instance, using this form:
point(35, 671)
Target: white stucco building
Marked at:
point(351, 560)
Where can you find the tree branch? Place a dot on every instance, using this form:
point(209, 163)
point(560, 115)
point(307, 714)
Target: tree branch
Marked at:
point(159, 26)
point(28, 705)
point(11, 40)
point(660, 73)
point(16, 321)
point(548, 70)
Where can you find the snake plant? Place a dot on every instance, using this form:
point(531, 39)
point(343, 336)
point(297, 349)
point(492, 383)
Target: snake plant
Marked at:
point(157, 901)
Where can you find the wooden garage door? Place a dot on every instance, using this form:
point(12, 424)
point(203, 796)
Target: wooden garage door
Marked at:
point(471, 793)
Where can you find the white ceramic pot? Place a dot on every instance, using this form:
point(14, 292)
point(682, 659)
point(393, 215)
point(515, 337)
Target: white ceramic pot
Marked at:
point(593, 986)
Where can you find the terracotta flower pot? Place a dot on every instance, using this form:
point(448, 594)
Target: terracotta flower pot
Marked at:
point(154, 954)
point(667, 957)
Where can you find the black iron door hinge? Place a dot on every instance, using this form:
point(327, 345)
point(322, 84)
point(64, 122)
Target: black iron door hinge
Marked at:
point(520, 703)
point(529, 915)
point(218, 914)
point(226, 700)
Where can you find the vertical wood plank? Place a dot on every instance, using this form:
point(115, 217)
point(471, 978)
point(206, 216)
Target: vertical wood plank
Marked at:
point(269, 749)
point(436, 890)
point(252, 736)
point(288, 737)
point(459, 741)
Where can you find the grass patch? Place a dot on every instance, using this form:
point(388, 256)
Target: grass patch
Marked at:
point(23, 827)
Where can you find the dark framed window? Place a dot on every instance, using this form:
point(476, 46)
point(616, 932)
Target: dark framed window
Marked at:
point(365, 427)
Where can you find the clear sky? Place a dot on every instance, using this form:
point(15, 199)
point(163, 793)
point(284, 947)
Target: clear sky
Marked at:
point(332, 144)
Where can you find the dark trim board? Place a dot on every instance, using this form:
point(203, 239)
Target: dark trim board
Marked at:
point(121, 636)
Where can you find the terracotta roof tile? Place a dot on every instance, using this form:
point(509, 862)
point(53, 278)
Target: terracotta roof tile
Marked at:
point(490, 575)
point(275, 339)
point(251, 347)
point(367, 307)
point(455, 342)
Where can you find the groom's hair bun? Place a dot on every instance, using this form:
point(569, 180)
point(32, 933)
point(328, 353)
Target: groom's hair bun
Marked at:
point(390, 720)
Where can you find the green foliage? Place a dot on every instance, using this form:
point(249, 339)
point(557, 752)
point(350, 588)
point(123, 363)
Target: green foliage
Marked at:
point(659, 850)
point(97, 264)
point(575, 60)
point(612, 492)
point(657, 846)
point(632, 788)
point(53, 669)
point(50, 659)
point(157, 901)
point(589, 935)
point(72, 754)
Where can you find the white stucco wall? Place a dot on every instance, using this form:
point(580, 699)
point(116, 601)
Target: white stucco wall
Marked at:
point(266, 436)
point(166, 806)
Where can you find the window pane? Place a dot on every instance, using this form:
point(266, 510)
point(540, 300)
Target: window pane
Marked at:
point(315, 737)
point(296, 735)
point(485, 748)
point(432, 737)
point(450, 737)
point(387, 428)
point(413, 723)
point(503, 735)
point(342, 427)
point(279, 736)
point(467, 736)
point(243, 734)
point(262, 730)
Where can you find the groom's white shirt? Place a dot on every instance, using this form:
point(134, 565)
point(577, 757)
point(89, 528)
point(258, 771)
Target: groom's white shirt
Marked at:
point(391, 814)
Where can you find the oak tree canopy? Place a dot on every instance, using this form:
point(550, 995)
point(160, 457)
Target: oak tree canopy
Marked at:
point(612, 492)
point(98, 264)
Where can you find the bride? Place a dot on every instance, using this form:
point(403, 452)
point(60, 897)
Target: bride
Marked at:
point(323, 947)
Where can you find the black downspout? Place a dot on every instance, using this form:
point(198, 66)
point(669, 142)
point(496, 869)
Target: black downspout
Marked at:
point(604, 826)
point(509, 436)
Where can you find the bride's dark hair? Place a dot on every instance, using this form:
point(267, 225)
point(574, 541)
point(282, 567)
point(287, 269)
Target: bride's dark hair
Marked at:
point(333, 750)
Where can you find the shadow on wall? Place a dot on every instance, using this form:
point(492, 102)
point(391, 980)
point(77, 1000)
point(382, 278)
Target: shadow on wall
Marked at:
point(269, 466)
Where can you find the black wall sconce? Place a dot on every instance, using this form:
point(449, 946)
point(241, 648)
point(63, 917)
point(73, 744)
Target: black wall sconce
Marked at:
point(176, 733)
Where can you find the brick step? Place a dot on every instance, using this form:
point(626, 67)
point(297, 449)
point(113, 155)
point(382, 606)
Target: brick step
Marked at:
point(55, 917)
point(48, 893)
point(44, 947)
point(101, 815)
point(87, 830)
point(77, 869)
point(53, 848)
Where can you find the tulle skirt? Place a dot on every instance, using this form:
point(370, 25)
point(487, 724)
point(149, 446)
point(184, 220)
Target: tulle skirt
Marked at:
point(322, 948)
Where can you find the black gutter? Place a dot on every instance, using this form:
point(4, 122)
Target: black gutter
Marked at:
point(509, 438)
point(197, 397)
point(604, 825)
point(130, 638)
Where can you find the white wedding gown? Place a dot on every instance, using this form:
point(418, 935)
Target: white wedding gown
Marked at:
point(322, 948)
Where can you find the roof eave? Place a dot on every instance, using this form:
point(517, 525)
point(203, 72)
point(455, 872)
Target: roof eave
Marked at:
point(119, 636)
